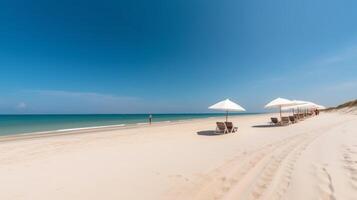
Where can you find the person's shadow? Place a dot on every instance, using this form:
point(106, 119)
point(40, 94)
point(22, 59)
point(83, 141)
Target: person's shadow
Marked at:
point(208, 133)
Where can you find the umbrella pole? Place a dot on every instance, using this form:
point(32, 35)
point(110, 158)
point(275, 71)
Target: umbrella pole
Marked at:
point(280, 112)
point(227, 116)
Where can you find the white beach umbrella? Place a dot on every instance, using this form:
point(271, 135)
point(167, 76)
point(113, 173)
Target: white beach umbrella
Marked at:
point(309, 105)
point(304, 105)
point(280, 103)
point(298, 104)
point(227, 105)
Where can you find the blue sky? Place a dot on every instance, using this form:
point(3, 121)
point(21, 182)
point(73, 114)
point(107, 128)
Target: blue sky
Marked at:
point(174, 56)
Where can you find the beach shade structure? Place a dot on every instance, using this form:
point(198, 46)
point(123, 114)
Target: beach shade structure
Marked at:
point(280, 103)
point(227, 106)
point(297, 105)
point(308, 105)
point(300, 102)
point(312, 105)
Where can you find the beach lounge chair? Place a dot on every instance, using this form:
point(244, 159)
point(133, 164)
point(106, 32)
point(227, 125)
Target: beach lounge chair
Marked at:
point(221, 127)
point(230, 127)
point(301, 116)
point(285, 120)
point(274, 121)
point(296, 116)
point(292, 119)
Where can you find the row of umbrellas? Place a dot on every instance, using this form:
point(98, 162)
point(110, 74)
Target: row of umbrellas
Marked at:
point(281, 103)
point(285, 104)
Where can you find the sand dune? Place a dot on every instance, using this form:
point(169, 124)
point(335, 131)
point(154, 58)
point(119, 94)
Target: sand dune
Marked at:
point(313, 159)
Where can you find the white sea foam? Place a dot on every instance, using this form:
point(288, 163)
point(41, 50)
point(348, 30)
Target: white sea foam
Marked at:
point(88, 128)
point(142, 123)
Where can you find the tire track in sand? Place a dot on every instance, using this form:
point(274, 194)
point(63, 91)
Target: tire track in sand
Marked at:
point(325, 186)
point(229, 180)
point(350, 163)
point(264, 173)
point(274, 177)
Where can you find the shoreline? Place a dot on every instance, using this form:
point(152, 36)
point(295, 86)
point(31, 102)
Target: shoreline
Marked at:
point(94, 129)
point(88, 122)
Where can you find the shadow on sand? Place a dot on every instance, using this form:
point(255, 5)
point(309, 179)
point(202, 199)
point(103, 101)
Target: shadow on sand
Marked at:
point(265, 126)
point(208, 133)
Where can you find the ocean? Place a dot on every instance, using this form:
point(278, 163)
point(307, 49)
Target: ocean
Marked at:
point(18, 124)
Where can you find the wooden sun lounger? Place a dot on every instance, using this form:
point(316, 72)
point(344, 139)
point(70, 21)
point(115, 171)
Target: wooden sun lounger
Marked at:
point(274, 121)
point(292, 119)
point(225, 127)
point(285, 120)
point(221, 127)
point(296, 116)
point(301, 116)
point(231, 128)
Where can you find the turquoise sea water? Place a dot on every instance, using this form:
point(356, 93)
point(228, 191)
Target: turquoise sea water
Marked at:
point(16, 124)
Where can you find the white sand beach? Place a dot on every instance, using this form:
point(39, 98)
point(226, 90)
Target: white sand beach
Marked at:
point(313, 159)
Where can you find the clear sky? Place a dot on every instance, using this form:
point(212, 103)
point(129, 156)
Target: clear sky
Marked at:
point(163, 56)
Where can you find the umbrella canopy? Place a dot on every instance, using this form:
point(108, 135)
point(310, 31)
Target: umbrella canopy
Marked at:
point(227, 105)
point(279, 103)
point(308, 105)
point(305, 105)
point(298, 104)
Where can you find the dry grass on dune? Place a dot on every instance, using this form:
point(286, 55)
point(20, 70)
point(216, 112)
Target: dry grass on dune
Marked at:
point(350, 106)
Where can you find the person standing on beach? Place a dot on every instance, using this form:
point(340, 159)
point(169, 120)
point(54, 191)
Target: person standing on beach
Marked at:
point(150, 119)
